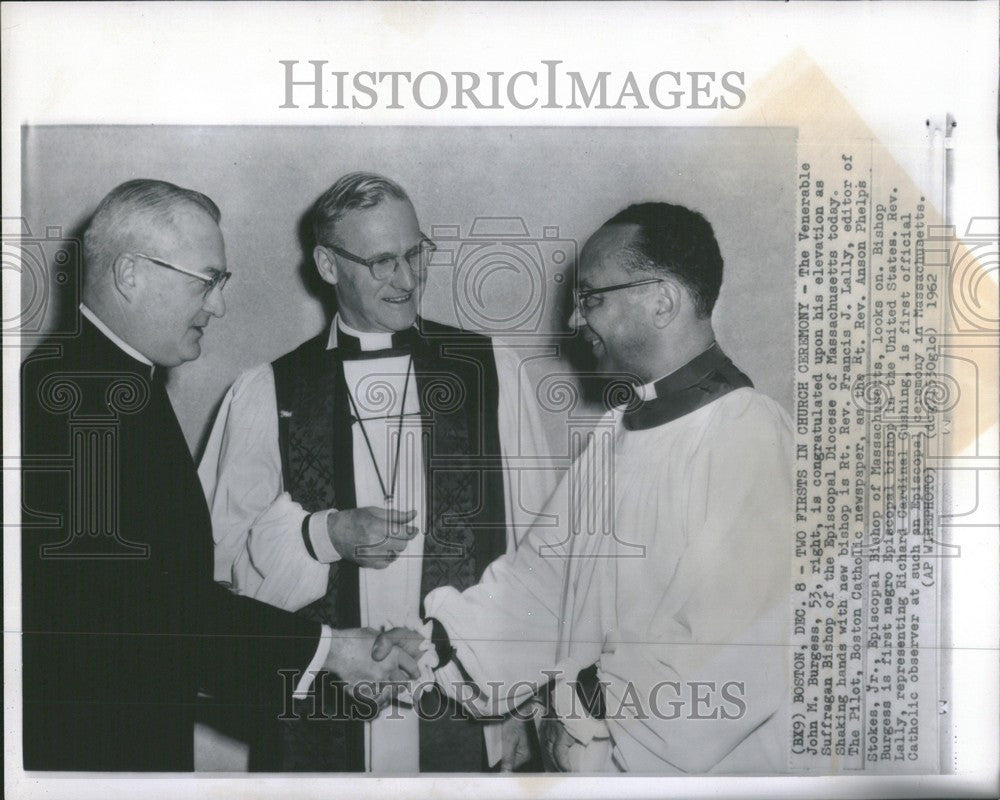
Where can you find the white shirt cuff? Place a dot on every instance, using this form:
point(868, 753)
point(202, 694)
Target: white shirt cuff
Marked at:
point(317, 663)
point(319, 537)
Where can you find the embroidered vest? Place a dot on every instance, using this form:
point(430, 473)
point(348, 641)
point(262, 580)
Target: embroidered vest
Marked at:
point(456, 381)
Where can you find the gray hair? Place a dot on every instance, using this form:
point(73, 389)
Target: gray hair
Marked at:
point(135, 202)
point(353, 191)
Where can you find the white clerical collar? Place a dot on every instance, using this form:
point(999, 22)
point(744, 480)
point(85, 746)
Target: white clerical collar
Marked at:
point(378, 340)
point(115, 339)
point(648, 391)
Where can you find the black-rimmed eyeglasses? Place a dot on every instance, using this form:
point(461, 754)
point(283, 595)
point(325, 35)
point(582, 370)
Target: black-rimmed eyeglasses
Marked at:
point(383, 268)
point(216, 279)
point(584, 300)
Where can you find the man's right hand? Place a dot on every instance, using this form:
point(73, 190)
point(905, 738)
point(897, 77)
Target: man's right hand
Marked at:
point(371, 536)
point(405, 639)
point(350, 660)
point(557, 746)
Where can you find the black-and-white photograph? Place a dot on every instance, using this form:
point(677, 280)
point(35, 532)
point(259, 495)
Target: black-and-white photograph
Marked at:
point(472, 416)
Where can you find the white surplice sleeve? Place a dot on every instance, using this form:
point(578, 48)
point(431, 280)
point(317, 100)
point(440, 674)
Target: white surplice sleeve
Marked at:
point(505, 629)
point(259, 550)
point(723, 617)
point(530, 474)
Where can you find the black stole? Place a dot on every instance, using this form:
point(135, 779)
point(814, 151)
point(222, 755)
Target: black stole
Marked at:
point(465, 528)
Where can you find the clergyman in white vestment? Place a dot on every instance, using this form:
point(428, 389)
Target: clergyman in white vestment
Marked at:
point(669, 570)
point(380, 370)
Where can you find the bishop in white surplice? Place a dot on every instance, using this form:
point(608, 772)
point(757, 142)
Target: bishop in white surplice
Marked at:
point(403, 395)
point(662, 562)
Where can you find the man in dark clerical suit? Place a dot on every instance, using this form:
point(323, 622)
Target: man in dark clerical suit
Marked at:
point(122, 620)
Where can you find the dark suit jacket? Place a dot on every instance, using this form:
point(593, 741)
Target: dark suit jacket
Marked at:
point(122, 620)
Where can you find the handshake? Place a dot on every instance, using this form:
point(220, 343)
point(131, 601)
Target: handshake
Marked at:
point(377, 665)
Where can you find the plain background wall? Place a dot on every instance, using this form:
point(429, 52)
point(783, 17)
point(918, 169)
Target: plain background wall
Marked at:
point(568, 180)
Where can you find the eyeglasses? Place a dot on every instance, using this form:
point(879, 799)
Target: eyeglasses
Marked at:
point(583, 298)
point(217, 278)
point(383, 268)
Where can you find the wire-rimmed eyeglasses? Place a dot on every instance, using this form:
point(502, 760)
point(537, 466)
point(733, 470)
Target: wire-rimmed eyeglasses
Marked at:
point(214, 279)
point(383, 268)
point(583, 298)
